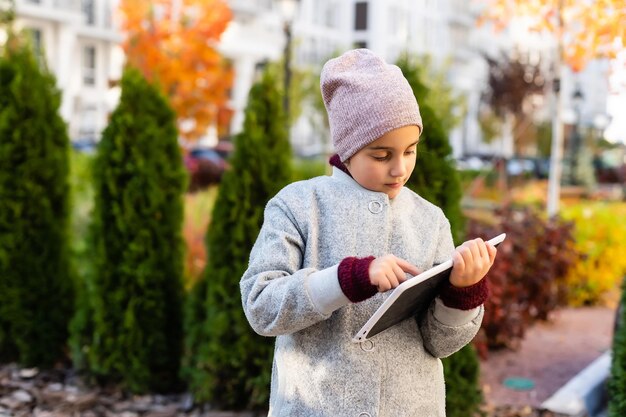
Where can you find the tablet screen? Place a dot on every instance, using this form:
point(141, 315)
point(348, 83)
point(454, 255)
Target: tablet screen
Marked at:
point(411, 298)
point(413, 301)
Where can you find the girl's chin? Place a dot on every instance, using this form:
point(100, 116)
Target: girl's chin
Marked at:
point(393, 193)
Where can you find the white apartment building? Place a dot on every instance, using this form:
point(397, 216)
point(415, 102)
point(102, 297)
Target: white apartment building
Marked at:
point(443, 29)
point(253, 37)
point(446, 31)
point(80, 43)
point(325, 28)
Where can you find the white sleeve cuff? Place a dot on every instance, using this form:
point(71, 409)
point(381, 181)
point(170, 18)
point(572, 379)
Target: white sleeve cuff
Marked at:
point(325, 292)
point(454, 317)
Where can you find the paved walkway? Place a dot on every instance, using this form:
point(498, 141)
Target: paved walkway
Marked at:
point(550, 355)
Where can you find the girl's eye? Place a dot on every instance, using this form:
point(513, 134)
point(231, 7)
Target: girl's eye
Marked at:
point(411, 152)
point(380, 158)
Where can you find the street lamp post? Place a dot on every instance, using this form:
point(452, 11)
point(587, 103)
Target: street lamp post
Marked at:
point(288, 10)
point(600, 123)
point(575, 137)
point(287, 69)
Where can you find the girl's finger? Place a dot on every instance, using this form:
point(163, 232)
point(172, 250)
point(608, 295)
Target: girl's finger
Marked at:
point(383, 285)
point(399, 272)
point(482, 248)
point(407, 267)
point(474, 248)
point(492, 252)
point(392, 279)
point(466, 254)
point(458, 262)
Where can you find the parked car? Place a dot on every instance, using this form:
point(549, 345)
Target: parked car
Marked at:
point(224, 148)
point(205, 166)
point(610, 166)
point(528, 167)
point(474, 163)
point(85, 144)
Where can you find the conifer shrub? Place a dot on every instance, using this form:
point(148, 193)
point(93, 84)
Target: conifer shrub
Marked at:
point(435, 178)
point(304, 169)
point(36, 287)
point(617, 379)
point(228, 364)
point(462, 377)
point(128, 329)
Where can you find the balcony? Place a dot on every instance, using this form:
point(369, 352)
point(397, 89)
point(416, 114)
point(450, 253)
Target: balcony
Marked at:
point(72, 12)
point(73, 5)
point(66, 11)
point(250, 8)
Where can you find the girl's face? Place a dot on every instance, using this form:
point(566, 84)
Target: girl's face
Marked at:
point(386, 164)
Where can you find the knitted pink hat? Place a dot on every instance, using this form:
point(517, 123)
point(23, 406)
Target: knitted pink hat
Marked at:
point(365, 98)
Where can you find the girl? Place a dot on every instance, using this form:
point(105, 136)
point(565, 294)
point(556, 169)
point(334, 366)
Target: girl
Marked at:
point(331, 247)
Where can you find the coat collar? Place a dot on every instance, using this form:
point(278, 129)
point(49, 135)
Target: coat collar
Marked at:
point(346, 179)
point(341, 173)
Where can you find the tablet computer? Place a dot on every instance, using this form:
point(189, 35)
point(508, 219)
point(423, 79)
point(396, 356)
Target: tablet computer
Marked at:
point(410, 298)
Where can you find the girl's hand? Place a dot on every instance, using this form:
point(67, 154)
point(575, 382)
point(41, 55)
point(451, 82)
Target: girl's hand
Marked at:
point(471, 262)
point(389, 271)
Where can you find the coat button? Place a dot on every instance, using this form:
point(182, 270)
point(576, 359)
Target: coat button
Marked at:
point(375, 206)
point(365, 415)
point(367, 346)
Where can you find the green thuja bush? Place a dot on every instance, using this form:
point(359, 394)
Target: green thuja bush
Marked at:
point(228, 364)
point(435, 178)
point(128, 330)
point(36, 288)
point(462, 372)
point(617, 380)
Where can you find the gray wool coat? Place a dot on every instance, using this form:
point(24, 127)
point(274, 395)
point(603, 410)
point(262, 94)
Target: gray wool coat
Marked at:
point(291, 291)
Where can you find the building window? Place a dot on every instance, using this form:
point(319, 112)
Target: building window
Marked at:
point(89, 11)
point(35, 35)
point(36, 38)
point(88, 117)
point(460, 36)
point(89, 65)
point(361, 44)
point(330, 18)
point(360, 16)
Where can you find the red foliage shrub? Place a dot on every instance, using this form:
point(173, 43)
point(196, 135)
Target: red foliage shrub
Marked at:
point(527, 281)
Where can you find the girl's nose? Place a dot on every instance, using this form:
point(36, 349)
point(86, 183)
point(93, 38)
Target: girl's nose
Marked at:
point(398, 168)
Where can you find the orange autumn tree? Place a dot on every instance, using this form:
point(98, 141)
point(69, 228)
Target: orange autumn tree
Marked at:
point(584, 29)
point(173, 43)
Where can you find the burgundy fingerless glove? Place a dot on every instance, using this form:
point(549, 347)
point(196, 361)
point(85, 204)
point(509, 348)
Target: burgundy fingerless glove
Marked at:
point(465, 298)
point(354, 281)
point(354, 278)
